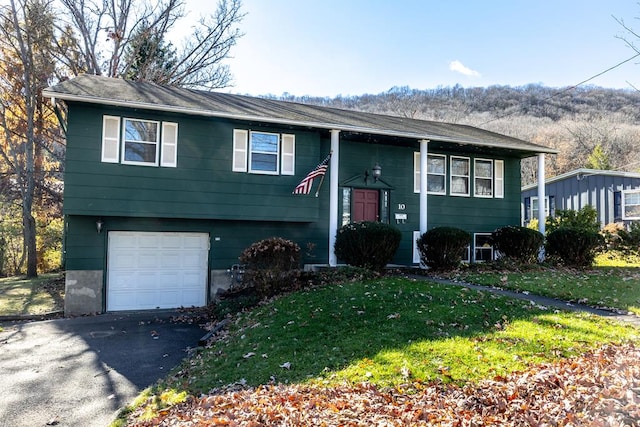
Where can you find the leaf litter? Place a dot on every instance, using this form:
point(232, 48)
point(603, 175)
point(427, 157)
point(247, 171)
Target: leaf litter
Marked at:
point(600, 388)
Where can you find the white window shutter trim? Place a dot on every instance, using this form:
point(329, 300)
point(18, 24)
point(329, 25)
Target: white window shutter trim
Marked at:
point(288, 166)
point(169, 151)
point(240, 145)
point(110, 139)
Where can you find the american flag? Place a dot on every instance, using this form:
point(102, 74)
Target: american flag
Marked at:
point(305, 185)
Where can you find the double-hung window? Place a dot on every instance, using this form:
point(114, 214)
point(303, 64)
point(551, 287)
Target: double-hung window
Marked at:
point(263, 152)
point(483, 178)
point(139, 142)
point(631, 204)
point(141, 139)
point(459, 176)
point(436, 173)
point(483, 248)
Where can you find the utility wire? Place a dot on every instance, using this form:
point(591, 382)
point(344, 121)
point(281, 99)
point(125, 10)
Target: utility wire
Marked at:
point(567, 89)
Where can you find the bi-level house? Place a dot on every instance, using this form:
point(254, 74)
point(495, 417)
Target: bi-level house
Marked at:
point(164, 186)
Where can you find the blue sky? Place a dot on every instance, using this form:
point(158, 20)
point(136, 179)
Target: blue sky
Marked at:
point(353, 47)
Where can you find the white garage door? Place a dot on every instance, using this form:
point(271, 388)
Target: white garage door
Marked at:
point(148, 270)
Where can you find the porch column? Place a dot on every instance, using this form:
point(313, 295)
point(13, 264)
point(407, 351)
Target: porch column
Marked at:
point(333, 194)
point(424, 150)
point(541, 195)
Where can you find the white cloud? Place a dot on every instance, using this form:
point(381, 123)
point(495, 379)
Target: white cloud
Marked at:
point(459, 67)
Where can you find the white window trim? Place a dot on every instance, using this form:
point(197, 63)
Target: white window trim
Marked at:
point(124, 142)
point(117, 142)
point(498, 180)
point(546, 207)
point(444, 175)
point(624, 205)
point(451, 176)
point(416, 173)
point(276, 154)
point(476, 177)
point(475, 246)
point(242, 153)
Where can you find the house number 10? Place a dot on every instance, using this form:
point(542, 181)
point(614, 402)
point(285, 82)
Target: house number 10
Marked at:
point(401, 206)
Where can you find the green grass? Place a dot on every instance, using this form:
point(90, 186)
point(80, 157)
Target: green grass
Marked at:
point(617, 259)
point(20, 296)
point(390, 332)
point(610, 287)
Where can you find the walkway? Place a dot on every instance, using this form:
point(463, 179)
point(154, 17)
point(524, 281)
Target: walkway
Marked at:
point(631, 319)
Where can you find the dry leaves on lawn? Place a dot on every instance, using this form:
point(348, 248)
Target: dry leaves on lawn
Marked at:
point(601, 388)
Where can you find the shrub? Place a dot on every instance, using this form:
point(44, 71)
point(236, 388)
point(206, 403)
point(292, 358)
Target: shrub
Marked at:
point(583, 219)
point(271, 266)
point(518, 243)
point(574, 246)
point(443, 247)
point(613, 234)
point(366, 244)
point(631, 237)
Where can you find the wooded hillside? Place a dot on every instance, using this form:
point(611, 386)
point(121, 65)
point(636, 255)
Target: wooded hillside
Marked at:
point(591, 126)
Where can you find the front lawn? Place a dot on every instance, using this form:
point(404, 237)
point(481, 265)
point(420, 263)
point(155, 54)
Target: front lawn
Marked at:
point(603, 287)
point(389, 333)
point(20, 296)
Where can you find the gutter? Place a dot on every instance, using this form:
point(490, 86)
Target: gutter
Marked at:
point(311, 124)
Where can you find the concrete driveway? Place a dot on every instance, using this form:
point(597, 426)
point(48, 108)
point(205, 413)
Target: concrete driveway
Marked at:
point(82, 371)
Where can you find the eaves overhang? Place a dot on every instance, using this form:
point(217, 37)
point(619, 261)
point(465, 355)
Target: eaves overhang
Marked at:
point(55, 95)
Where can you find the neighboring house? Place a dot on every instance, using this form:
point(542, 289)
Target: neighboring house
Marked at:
point(164, 187)
point(615, 195)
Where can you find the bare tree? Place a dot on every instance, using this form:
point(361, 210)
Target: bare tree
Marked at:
point(26, 27)
point(109, 38)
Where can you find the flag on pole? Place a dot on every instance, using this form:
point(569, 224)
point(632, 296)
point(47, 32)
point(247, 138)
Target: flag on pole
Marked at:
point(307, 182)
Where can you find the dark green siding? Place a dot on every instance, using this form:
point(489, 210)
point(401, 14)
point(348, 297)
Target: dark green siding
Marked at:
point(473, 214)
point(202, 186)
point(202, 194)
point(86, 249)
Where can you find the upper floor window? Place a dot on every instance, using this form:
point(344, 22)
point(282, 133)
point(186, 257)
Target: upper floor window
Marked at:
point(263, 152)
point(459, 176)
point(436, 173)
point(483, 178)
point(139, 142)
point(141, 139)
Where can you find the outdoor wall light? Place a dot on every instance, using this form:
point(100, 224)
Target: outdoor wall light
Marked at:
point(376, 172)
point(99, 225)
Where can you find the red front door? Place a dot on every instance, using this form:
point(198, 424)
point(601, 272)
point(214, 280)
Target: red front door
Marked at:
point(365, 205)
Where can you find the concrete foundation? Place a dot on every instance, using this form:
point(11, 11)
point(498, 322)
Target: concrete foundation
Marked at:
point(221, 281)
point(83, 292)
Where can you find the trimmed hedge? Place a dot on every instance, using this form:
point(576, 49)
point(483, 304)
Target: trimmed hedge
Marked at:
point(443, 247)
point(574, 246)
point(518, 243)
point(367, 244)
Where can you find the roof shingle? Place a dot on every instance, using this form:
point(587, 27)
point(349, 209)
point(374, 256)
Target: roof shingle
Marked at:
point(110, 91)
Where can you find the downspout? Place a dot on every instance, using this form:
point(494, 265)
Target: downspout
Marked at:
point(58, 113)
point(424, 150)
point(541, 195)
point(333, 195)
point(541, 203)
